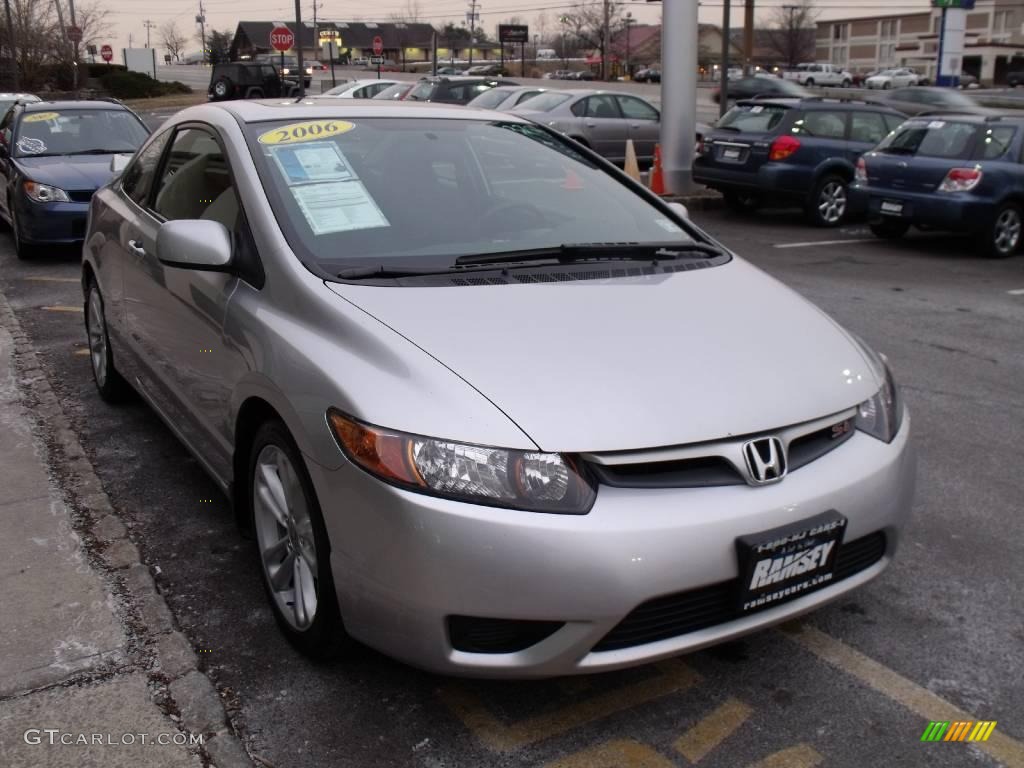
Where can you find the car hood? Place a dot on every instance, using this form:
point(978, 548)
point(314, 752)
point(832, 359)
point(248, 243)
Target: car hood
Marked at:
point(78, 172)
point(630, 363)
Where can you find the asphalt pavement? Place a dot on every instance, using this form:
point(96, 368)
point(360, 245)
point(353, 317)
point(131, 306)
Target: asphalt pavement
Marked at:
point(938, 637)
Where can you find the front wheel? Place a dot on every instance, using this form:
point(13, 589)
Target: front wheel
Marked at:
point(221, 89)
point(109, 382)
point(1002, 239)
point(889, 229)
point(828, 203)
point(810, 82)
point(847, 84)
point(886, 86)
point(292, 544)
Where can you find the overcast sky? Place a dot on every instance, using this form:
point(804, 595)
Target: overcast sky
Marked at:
point(129, 16)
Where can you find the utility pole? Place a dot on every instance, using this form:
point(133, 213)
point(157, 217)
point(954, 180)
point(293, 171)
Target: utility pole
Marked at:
point(606, 37)
point(201, 21)
point(723, 91)
point(748, 38)
point(148, 25)
point(679, 46)
point(629, 23)
point(74, 48)
point(316, 36)
point(12, 48)
point(298, 49)
point(471, 17)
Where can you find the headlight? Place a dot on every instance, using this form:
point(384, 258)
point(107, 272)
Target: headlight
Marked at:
point(44, 193)
point(526, 480)
point(286, 71)
point(882, 415)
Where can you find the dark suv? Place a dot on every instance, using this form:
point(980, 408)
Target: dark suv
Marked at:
point(453, 90)
point(248, 80)
point(803, 150)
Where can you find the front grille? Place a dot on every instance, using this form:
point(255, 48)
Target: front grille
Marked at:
point(674, 615)
point(806, 449)
point(478, 635)
point(81, 195)
point(704, 472)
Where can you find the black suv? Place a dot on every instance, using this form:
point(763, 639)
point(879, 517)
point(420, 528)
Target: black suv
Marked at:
point(248, 80)
point(453, 90)
point(803, 150)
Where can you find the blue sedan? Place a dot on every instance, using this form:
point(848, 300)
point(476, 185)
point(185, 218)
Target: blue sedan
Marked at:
point(53, 156)
point(958, 173)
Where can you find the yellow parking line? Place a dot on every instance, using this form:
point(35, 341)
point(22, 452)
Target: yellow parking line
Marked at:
point(624, 753)
point(45, 279)
point(712, 730)
point(674, 676)
point(918, 700)
point(800, 756)
point(62, 308)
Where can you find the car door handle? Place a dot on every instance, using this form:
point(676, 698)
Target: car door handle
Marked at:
point(589, 124)
point(136, 247)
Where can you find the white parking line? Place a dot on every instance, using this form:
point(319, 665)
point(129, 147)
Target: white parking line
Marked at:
point(826, 242)
point(1016, 292)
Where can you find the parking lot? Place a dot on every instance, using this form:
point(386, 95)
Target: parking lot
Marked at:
point(938, 637)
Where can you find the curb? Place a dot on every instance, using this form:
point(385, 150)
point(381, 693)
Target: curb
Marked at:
point(183, 692)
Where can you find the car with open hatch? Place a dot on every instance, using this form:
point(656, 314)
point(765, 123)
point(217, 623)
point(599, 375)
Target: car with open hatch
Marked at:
point(545, 441)
point(53, 156)
point(800, 151)
point(955, 173)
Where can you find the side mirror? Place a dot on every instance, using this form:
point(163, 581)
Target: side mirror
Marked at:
point(118, 163)
point(194, 244)
point(680, 209)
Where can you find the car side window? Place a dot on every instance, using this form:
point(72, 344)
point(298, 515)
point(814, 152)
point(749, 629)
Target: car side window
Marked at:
point(602, 106)
point(138, 177)
point(5, 128)
point(997, 140)
point(822, 124)
point(634, 109)
point(195, 182)
point(580, 108)
point(892, 122)
point(867, 127)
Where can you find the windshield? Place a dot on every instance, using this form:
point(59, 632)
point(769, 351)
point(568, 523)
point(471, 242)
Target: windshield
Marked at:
point(79, 131)
point(396, 91)
point(753, 118)
point(491, 99)
point(411, 191)
point(422, 92)
point(545, 102)
point(931, 138)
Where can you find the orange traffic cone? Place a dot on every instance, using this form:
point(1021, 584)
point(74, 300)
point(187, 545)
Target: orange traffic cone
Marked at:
point(631, 166)
point(657, 179)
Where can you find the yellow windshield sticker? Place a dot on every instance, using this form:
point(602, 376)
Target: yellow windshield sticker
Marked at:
point(38, 117)
point(308, 131)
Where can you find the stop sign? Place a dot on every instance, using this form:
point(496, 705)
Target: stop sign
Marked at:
point(281, 39)
point(107, 53)
point(74, 34)
point(378, 45)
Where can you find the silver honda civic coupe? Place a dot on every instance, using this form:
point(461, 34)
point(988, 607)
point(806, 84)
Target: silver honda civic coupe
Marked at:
point(484, 403)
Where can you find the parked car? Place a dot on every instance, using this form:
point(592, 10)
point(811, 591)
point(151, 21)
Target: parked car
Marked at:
point(892, 78)
point(318, 66)
point(358, 89)
point(958, 173)
point(1015, 79)
point(819, 74)
point(450, 71)
point(8, 99)
point(53, 157)
point(559, 74)
point(582, 74)
point(288, 64)
point(802, 151)
point(969, 81)
point(453, 90)
point(494, 70)
point(395, 92)
point(647, 75)
point(601, 120)
point(506, 97)
point(766, 87)
point(447, 497)
point(920, 99)
point(248, 80)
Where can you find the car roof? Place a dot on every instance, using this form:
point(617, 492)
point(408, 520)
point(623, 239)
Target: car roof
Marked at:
point(43, 106)
point(819, 102)
point(262, 110)
point(969, 117)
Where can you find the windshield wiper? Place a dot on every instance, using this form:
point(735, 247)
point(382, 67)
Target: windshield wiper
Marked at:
point(367, 271)
point(99, 151)
point(574, 252)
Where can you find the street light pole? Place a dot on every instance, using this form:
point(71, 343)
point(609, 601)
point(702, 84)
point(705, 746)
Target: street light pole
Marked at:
point(12, 48)
point(298, 47)
point(629, 23)
point(723, 90)
point(679, 46)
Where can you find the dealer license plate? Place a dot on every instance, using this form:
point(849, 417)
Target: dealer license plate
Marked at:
point(731, 154)
point(893, 209)
point(785, 563)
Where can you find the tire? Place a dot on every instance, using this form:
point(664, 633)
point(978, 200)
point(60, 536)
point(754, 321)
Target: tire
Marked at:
point(809, 83)
point(886, 86)
point(221, 89)
point(23, 250)
point(292, 544)
point(742, 202)
point(1002, 238)
point(109, 382)
point(889, 229)
point(829, 202)
point(847, 84)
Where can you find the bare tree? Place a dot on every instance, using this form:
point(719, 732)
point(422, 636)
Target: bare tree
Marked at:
point(410, 13)
point(791, 32)
point(94, 20)
point(172, 38)
point(586, 22)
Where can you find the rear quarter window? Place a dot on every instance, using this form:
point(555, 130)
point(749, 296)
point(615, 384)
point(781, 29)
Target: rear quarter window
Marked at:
point(996, 141)
point(753, 118)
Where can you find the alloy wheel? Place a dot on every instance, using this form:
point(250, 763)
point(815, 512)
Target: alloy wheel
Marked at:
point(832, 202)
point(1007, 231)
point(97, 337)
point(284, 534)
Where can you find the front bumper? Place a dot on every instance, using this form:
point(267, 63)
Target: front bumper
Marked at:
point(52, 222)
point(954, 212)
point(404, 562)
